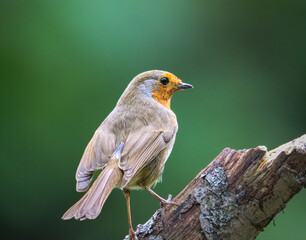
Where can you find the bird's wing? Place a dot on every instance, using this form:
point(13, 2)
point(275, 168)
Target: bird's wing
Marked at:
point(142, 147)
point(96, 155)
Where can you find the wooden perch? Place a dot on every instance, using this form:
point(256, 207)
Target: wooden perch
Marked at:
point(235, 196)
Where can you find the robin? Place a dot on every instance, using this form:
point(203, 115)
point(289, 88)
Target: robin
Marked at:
point(131, 145)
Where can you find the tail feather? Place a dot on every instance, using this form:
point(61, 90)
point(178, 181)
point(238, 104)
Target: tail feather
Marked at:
point(90, 205)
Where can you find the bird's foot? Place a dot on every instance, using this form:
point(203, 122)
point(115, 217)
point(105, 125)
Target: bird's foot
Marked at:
point(133, 234)
point(164, 203)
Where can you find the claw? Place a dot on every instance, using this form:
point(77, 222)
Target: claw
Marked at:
point(164, 203)
point(133, 235)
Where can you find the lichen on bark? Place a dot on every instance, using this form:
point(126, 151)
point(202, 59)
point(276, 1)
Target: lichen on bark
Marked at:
point(218, 206)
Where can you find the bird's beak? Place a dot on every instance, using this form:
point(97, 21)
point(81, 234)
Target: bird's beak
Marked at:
point(184, 86)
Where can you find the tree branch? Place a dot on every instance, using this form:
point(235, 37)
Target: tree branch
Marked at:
point(235, 196)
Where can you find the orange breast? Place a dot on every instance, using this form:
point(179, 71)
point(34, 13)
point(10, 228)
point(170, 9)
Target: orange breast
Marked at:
point(163, 98)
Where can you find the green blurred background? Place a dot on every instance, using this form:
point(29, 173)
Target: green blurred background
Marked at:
point(64, 64)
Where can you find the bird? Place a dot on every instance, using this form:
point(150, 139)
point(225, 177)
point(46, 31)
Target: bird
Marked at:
point(131, 146)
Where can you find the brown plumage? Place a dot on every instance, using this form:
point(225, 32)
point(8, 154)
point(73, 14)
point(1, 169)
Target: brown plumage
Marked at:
point(131, 145)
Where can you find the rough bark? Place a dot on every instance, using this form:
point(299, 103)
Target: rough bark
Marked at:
point(235, 196)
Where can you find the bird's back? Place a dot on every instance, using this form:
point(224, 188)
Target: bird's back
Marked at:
point(127, 119)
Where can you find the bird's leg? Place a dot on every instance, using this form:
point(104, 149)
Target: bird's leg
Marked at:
point(163, 202)
point(132, 234)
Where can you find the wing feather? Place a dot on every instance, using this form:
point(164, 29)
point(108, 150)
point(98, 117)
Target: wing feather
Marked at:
point(141, 148)
point(95, 157)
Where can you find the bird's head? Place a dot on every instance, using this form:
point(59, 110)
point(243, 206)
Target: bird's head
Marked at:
point(156, 84)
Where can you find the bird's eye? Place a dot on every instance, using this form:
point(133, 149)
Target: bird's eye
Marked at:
point(164, 81)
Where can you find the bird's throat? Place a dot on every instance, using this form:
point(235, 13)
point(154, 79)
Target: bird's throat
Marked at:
point(164, 98)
